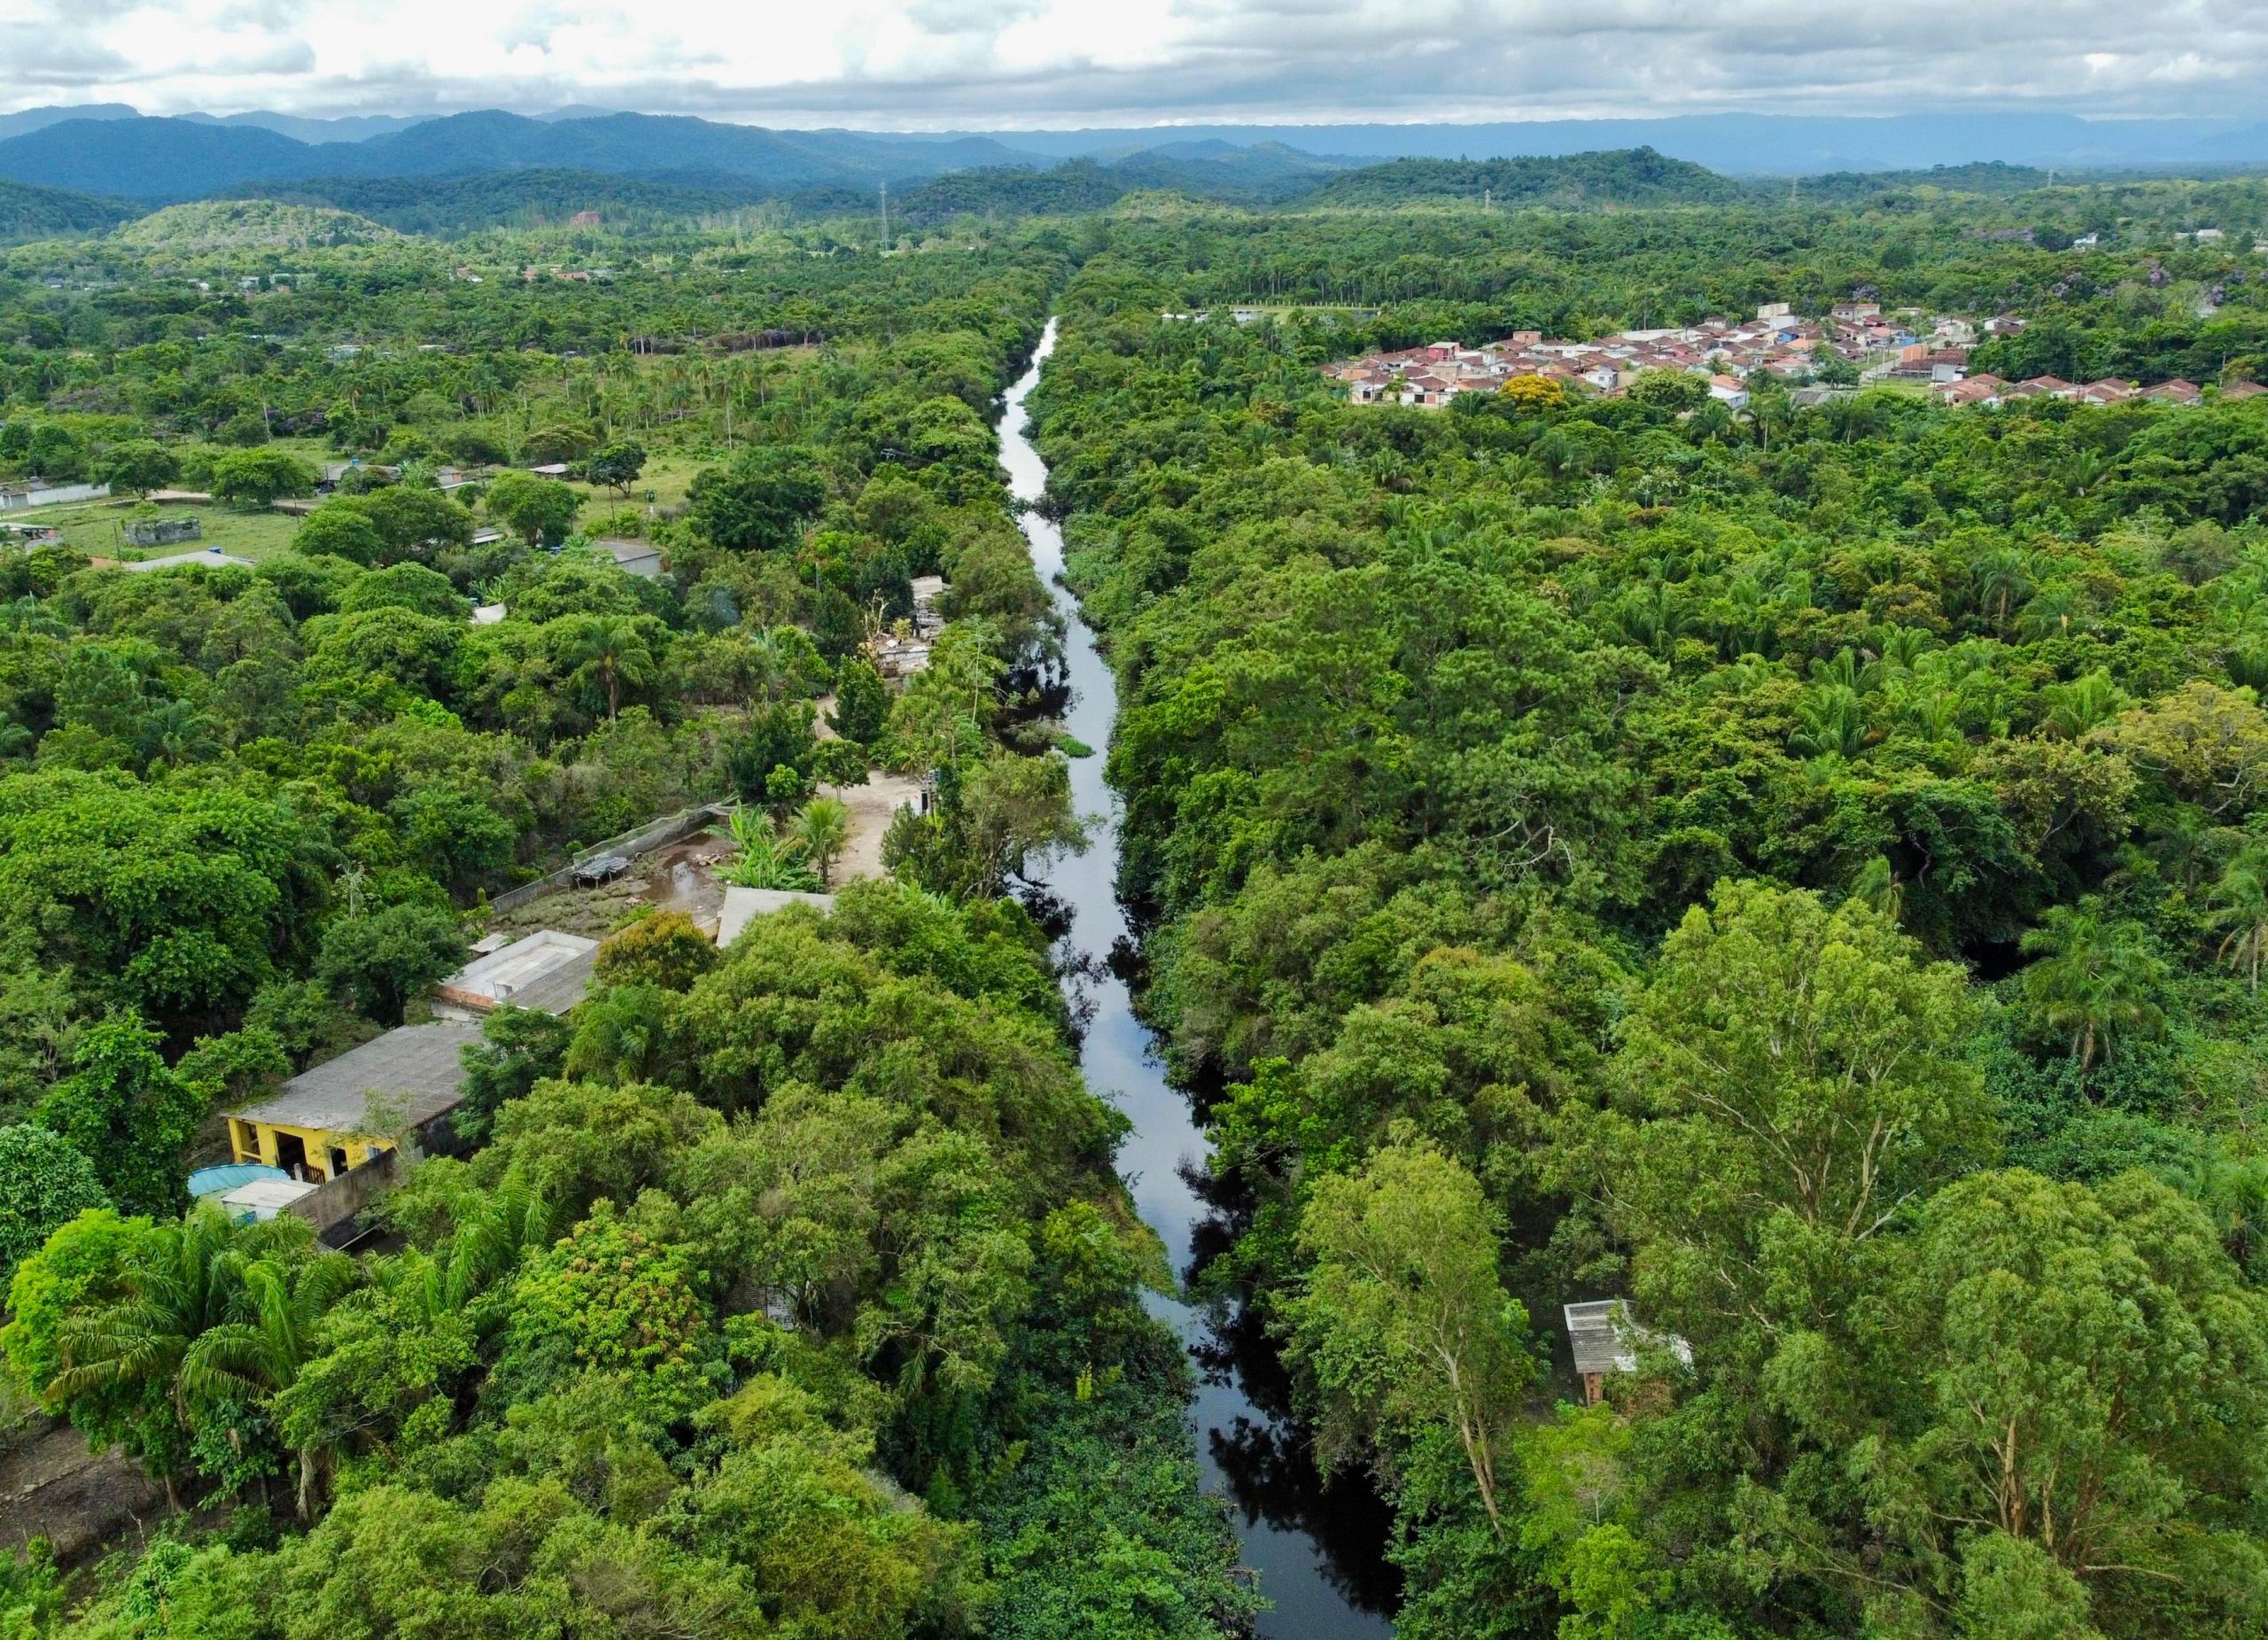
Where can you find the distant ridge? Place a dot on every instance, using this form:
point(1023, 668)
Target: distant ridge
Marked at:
point(168, 160)
point(109, 150)
point(353, 129)
point(1736, 144)
point(30, 119)
point(29, 212)
point(1636, 176)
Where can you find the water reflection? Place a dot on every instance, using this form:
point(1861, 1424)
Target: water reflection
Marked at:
point(1318, 1550)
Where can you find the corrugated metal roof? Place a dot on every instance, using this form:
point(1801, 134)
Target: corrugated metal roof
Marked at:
point(414, 1074)
point(1605, 1339)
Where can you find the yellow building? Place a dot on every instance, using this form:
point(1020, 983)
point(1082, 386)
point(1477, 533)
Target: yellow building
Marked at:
point(346, 1110)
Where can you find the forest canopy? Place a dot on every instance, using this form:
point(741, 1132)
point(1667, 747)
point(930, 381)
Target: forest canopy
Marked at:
point(1783, 865)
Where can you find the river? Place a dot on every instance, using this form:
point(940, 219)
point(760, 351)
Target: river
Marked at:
point(1318, 1553)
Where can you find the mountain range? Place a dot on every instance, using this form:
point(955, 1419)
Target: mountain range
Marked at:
point(180, 158)
point(1741, 144)
point(109, 149)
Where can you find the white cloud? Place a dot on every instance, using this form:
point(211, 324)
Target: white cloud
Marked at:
point(1003, 63)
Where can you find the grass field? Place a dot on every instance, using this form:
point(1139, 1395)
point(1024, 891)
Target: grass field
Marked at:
point(93, 528)
point(666, 478)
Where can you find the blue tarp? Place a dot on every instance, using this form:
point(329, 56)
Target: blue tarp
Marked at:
point(220, 1180)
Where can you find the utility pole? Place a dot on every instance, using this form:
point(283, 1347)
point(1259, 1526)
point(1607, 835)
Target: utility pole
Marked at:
point(885, 216)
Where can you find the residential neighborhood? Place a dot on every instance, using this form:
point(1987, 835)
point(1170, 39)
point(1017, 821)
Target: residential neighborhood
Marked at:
point(1929, 351)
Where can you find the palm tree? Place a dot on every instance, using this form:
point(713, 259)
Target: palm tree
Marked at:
point(2096, 978)
point(1769, 412)
point(1930, 711)
point(2051, 612)
point(612, 649)
point(765, 862)
point(174, 732)
point(189, 1282)
point(260, 1355)
point(1746, 621)
point(821, 831)
point(2240, 902)
point(1830, 718)
point(2002, 581)
point(1878, 885)
point(2234, 1194)
point(1710, 421)
point(2075, 707)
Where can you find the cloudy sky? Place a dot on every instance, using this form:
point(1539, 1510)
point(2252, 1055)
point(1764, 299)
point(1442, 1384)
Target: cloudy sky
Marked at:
point(931, 64)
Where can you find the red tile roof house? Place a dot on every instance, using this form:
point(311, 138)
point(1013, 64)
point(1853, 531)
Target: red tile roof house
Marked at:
point(2175, 392)
point(2040, 387)
point(2108, 392)
point(1985, 390)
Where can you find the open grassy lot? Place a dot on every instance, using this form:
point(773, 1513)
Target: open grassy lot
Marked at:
point(94, 528)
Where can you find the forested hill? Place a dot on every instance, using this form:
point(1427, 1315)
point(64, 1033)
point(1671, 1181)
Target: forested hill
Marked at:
point(31, 213)
point(176, 159)
point(528, 199)
point(1266, 173)
point(1630, 177)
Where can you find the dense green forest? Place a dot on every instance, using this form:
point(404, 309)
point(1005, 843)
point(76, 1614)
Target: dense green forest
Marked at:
point(1800, 868)
point(790, 1289)
point(32, 212)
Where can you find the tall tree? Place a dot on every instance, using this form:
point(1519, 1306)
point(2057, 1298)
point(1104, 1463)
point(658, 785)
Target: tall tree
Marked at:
point(1403, 1322)
point(128, 1114)
point(1801, 1072)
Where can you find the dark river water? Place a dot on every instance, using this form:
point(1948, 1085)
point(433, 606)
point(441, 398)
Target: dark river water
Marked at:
point(1317, 1552)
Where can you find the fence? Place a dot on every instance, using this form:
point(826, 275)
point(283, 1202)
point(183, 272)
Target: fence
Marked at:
point(50, 495)
point(654, 834)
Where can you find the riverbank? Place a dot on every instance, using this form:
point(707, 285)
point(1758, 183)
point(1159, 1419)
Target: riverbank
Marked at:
point(1320, 1585)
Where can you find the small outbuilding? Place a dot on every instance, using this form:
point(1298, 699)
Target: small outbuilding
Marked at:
point(264, 1199)
point(1606, 1339)
point(547, 970)
point(633, 557)
point(743, 907)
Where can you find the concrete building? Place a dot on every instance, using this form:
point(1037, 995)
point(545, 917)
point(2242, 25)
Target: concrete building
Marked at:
point(366, 1103)
point(546, 970)
point(928, 621)
point(161, 531)
point(40, 493)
